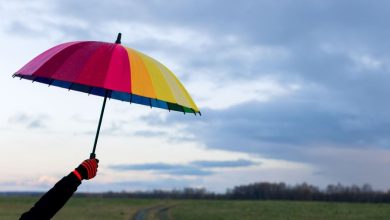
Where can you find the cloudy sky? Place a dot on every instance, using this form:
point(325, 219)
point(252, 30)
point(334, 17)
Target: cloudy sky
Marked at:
point(290, 90)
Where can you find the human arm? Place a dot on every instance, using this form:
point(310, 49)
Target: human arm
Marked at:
point(52, 201)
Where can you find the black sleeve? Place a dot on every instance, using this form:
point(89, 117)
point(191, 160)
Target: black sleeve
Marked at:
point(49, 204)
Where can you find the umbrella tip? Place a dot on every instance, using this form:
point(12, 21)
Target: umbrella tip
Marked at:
point(118, 39)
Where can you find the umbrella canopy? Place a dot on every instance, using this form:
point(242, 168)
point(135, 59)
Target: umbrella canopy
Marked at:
point(112, 71)
point(96, 67)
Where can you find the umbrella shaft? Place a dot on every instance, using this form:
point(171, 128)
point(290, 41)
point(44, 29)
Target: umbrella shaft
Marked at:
point(93, 155)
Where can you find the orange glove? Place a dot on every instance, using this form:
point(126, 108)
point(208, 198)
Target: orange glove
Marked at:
point(86, 170)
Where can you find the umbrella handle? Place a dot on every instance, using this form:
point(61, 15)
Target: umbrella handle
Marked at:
point(93, 155)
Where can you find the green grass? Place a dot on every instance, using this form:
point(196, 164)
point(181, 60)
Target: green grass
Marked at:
point(99, 208)
point(278, 210)
point(78, 208)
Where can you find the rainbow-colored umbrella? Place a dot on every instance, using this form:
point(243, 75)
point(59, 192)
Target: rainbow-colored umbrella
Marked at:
point(110, 70)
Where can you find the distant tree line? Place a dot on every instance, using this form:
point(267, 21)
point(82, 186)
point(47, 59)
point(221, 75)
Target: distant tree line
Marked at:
point(186, 193)
point(307, 192)
point(266, 191)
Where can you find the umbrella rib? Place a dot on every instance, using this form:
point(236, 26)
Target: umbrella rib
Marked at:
point(33, 80)
point(51, 82)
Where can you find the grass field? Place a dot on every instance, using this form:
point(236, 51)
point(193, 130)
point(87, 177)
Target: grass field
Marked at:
point(99, 208)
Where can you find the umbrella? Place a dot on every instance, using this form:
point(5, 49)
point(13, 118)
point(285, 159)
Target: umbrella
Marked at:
point(110, 70)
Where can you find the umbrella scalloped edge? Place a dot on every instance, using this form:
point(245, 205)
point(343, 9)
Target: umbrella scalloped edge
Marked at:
point(122, 96)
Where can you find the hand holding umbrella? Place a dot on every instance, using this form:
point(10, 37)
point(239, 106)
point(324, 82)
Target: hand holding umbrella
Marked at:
point(52, 201)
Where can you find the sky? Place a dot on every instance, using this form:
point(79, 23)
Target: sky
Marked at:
point(290, 91)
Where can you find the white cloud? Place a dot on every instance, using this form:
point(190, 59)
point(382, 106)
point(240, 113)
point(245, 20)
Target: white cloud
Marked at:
point(221, 95)
point(362, 58)
point(366, 62)
point(174, 36)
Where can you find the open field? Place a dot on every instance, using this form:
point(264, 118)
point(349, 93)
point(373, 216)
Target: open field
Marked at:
point(118, 208)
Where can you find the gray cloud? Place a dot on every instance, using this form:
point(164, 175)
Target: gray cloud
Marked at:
point(19, 28)
point(149, 166)
point(223, 164)
point(284, 128)
point(176, 170)
point(189, 171)
point(267, 21)
point(296, 27)
point(29, 121)
point(147, 133)
point(37, 123)
point(302, 29)
point(195, 168)
point(344, 142)
point(121, 128)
